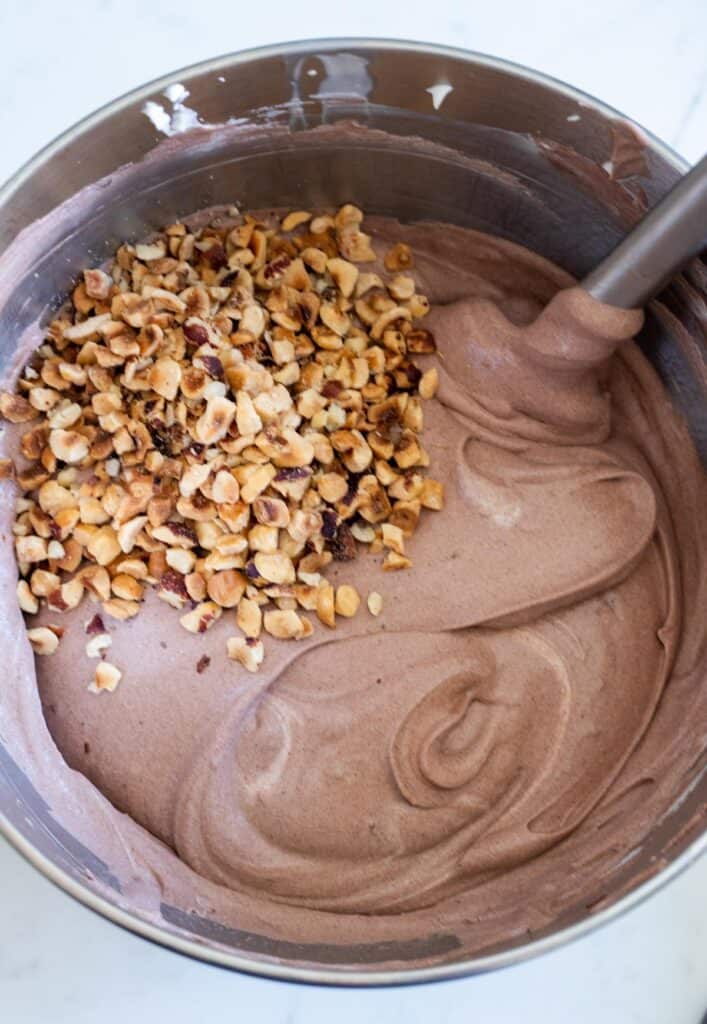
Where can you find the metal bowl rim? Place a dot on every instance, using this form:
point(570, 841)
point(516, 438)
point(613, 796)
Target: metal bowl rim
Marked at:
point(235, 961)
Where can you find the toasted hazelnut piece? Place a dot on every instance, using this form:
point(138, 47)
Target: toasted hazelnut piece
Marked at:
point(96, 580)
point(332, 487)
point(225, 489)
point(129, 532)
point(121, 609)
point(151, 251)
point(92, 511)
point(429, 382)
point(304, 524)
point(44, 399)
point(96, 645)
point(66, 522)
point(347, 601)
point(103, 546)
point(31, 549)
point(355, 245)
point(406, 514)
point(87, 328)
point(354, 450)
point(177, 535)
point(294, 219)
point(399, 257)
point(326, 605)
point(419, 306)
point(246, 650)
point(70, 594)
point(26, 599)
point(363, 532)
point(126, 586)
point(275, 568)
point(193, 477)
point(98, 284)
point(43, 583)
point(408, 451)
point(52, 498)
point(134, 567)
point(213, 425)
point(106, 677)
point(195, 585)
point(306, 592)
point(432, 494)
point(16, 409)
point(420, 341)
point(393, 538)
point(271, 512)
point(43, 640)
point(263, 538)
point(374, 505)
point(256, 483)
point(344, 275)
point(375, 603)
point(393, 560)
point(68, 445)
point(55, 551)
point(226, 588)
point(73, 374)
point(64, 416)
point(249, 617)
point(388, 317)
point(165, 377)
point(253, 320)
point(201, 618)
point(247, 419)
point(402, 287)
point(180, 559)
point(285, 625)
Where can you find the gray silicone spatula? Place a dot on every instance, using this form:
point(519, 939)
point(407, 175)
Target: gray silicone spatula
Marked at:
point(670, 235)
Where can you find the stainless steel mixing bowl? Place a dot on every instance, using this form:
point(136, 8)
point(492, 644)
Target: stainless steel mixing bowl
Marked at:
point(514, 152)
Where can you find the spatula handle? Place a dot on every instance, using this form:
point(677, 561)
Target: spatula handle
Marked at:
point(670, 235)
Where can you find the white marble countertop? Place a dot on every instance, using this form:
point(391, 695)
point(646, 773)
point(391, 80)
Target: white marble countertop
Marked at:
point(60, 963)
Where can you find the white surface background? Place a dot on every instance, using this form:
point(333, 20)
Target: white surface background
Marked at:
point(58, 962)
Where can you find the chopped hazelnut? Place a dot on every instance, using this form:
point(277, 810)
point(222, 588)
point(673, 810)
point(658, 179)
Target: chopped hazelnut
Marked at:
point(249, 652)
point(15, 409)
point(285, 625)
point(275, 567)
point(201, 618)
point(429, 382)
point(432, 494)
point(31, 549)
point(393, 538)
point(393, 561)
point(326, 605)
point(120, 608)
point(106, 677)
point(249, 617)
point(26, 599)
point(226, 588)
point(68, 445)
point(43, 640)
point(96, 645)
point(104, 546)
point(347, 601)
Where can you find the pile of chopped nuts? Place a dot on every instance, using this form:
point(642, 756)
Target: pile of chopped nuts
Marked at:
point(219, 417)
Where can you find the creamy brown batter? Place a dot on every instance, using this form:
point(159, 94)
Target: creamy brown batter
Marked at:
point(522, 712)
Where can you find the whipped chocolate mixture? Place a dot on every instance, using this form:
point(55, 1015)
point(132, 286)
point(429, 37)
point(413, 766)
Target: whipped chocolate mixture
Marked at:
point(483, 754)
